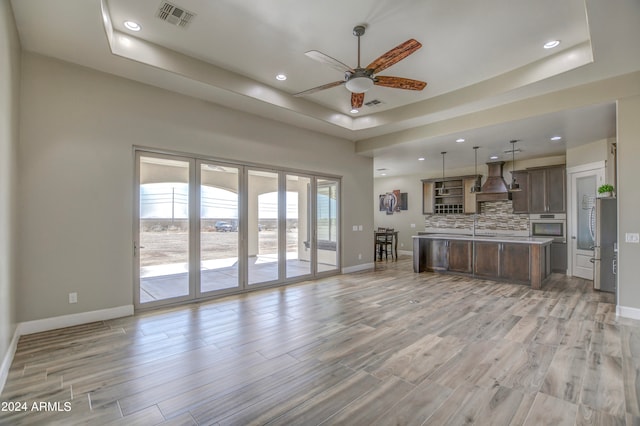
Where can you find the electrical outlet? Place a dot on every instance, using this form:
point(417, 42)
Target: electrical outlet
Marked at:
point(631, 237)
point(359, 227)
point(73, 297)
point(413, 225)
point(359, 256)
point(355, 227)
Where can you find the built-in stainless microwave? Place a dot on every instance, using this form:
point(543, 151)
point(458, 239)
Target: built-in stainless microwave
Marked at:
point(549, 225)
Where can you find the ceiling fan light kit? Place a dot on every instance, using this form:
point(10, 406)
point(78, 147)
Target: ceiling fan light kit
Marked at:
point(359, 84)
point(360, 80)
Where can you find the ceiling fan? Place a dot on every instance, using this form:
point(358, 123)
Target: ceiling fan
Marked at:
point(359, 80)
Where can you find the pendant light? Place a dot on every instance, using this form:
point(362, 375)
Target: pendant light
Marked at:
point(443, 190)
point(514, 186)
point(476, 184)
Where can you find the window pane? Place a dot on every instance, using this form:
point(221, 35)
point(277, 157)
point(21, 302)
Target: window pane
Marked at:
point(164, 229)
point(298, 226)
point(586, 192)
point(327, 224)
point(262, 222)
point(219, 241)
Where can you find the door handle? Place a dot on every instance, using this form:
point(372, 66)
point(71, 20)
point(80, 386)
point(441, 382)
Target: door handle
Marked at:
point(136, 249)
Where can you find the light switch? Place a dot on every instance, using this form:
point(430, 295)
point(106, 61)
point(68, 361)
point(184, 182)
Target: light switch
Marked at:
point(355, 227)
point(359, 227)
point(413, 225)
point(632, 237)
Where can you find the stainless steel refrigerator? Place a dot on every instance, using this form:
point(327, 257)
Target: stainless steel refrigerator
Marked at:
point(605, 229)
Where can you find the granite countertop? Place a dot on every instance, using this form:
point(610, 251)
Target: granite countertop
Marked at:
point(489, 238)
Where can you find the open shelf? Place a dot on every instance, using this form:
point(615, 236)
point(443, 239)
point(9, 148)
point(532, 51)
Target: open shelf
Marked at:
point(457, 199)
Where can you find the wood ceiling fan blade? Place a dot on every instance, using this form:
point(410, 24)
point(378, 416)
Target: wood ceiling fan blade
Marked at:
point(357, 99)
point(399, 83)
point(319, 88)
point(328, 60)
point(395, 55)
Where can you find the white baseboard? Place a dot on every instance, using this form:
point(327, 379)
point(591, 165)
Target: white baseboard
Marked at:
point(8, 359)
point(37, 326)
point(358, 268)
point(627, 312)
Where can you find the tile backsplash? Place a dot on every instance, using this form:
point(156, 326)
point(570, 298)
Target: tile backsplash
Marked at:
point(493, 216)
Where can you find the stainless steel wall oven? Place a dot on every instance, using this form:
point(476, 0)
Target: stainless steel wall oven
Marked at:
point(549, 225)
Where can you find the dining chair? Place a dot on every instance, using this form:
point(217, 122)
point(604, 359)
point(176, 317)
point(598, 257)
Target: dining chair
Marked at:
point(384, 241)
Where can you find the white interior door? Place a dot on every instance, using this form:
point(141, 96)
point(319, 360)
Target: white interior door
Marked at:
point(584, 186)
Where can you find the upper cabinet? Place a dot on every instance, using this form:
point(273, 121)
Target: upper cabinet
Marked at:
point(520, 198)
point(449, 196)
point(542, 190)
point(547, 189)
point(427, 197)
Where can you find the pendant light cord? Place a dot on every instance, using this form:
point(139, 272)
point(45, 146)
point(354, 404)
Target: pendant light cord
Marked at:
point(443, 190)
point(476, 185)
point(514, 186)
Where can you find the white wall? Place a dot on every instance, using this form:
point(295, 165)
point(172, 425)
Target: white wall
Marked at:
point(628, 131)
point(587, 153)
point(400, 221)
point(9, 124)
point(78, 128)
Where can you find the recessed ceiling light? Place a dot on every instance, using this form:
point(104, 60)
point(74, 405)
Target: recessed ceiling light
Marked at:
point(281, 77)
point(383, 174)
point(132, 25)
point(460, 140)
point(551, 44)
point(494, 157)
point(421, 159)
point(555, 138)
point(354, 111)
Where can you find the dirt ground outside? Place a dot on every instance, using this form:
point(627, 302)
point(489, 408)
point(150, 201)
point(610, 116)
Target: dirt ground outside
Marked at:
point(171, 246)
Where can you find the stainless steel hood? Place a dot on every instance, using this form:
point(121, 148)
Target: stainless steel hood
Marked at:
point(495, 188)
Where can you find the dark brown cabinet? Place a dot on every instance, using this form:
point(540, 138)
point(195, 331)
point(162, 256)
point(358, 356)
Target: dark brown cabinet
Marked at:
point(556, 189)
point(504, 261)
point(547, 190)
point(517, 262)
point(520, 199)
point(514, 262)
point(487, 262)
point(559, 257)
point(460, 256)
point(437, 255)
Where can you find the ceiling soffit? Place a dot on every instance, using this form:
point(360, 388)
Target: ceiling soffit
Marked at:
point(462, 101)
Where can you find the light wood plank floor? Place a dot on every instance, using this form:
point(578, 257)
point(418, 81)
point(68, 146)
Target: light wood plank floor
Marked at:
point(387, 347)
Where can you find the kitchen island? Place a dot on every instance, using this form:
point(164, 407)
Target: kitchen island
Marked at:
point(522, 260)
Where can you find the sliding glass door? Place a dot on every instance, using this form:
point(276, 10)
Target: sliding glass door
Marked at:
point(298, 226)
point(262, 226)
point(164, 227)
point(219, 227)
point(327, 225)
point(205, 227)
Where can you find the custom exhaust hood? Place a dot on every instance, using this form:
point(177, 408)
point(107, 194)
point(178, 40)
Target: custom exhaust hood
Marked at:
point(495, 188)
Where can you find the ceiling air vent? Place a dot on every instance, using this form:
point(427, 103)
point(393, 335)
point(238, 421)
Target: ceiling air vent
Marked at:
point(373, 102)
point(175, 15)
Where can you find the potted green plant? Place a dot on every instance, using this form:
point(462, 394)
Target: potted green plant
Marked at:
point(605, 190)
